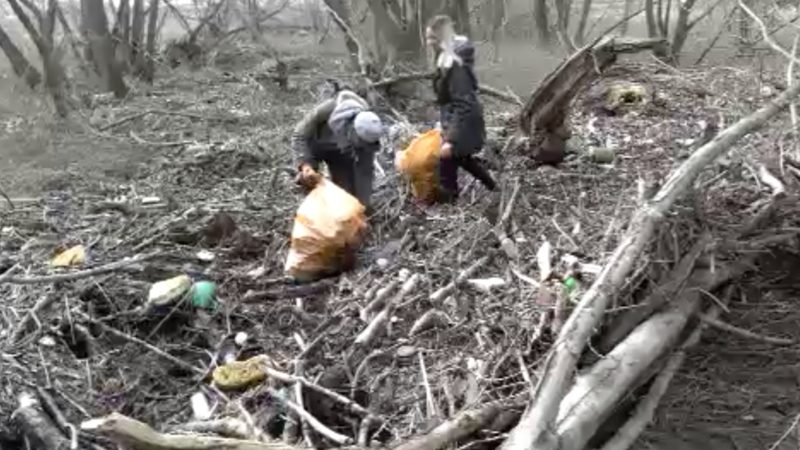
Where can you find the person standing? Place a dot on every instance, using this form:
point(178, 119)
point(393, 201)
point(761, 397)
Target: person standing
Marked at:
point(460, 110)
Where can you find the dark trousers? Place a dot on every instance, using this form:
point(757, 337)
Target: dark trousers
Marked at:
point(448, 174)
point(354, 174)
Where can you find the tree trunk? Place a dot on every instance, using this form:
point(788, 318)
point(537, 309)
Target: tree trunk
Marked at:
point(540, 15)
point(563, 11)
point(53, 71)
point(400, 39)
point(122, 35)
point(340, 8)
point(682, 29)
point(585, 11)
point(650, 14)
point(103, 49)
point(147, 61)
point(626, 13)
point(459, 11)
point(497, 22)
point(22, 68)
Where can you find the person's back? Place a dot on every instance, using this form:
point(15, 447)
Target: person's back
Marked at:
point(344, 134)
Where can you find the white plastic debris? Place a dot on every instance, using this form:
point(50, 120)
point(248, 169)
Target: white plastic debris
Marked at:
point(150, 200)
point(257, 272)
point(382, 263)
point(47, 341)
point(240, 339)
point(205, 256)
point(543, 260)
point(403, 275)
point(200, 407)
point(486, 285)
point(166, 291)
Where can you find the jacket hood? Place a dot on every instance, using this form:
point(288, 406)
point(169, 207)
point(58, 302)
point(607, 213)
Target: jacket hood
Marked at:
point(465, 50)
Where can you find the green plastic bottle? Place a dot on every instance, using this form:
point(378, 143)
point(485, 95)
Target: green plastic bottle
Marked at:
point(204, 295)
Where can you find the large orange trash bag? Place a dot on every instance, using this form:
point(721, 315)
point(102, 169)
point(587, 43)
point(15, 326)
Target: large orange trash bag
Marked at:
point(328, 227)
point(419, 162)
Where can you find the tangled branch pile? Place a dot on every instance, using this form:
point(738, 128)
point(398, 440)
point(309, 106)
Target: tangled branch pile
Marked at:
point(449, 325)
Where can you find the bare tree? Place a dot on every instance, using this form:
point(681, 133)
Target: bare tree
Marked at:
point(659, 19)
point(586, 9)
point(563, 12)
point(459, 11)
point(43, 40)
point(146, 62)
point(542, 22)
point(497, 22)
point(626, 13)
point(102, 48)
point(19, 63)
point(342, 10)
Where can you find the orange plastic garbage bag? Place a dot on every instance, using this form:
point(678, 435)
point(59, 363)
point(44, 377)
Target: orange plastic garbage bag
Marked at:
point(329, 225)
point(419, 162)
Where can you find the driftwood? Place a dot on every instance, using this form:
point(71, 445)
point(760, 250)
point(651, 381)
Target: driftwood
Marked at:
point(136, 435)
point(627, 435)
point(488, 91)
point(37, 426)
point(536, 429)
point(594, 395)
point(548, 105)
point(621, 326)
point(457, 428)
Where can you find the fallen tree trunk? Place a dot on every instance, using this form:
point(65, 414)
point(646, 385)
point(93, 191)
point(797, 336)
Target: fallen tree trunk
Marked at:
point(627, 435)
point(594, 395)
point(37, 426)
point(535, 430)
point(455, 429)
point(135, 435)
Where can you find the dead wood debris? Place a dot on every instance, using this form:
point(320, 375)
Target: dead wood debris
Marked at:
point(398, 353)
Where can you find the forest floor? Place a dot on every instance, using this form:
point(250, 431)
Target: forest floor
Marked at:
point(213, 143)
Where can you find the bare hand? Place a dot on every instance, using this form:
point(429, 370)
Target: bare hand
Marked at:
point(307, 177)
point(447, 151)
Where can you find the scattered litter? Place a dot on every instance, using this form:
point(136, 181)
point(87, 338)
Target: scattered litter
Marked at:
point(205, 256)
point(150, 200)
point(543, 260)
point(167, 291)
point(241, 374)
point(486, 285)
point(204, 294)
point(74, 256)
point(240, 339)
point(201, 410)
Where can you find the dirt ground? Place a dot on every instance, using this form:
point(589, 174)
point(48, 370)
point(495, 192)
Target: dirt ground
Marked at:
point(731, 394)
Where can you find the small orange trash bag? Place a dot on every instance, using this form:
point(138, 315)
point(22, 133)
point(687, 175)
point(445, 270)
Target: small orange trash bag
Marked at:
point(419, 162)
point(328, 227)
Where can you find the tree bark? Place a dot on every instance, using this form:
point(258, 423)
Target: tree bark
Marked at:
point(103, 48)
point(650, 15)
point(626, 13)
point(585, 11)
point(682, 28)
point(340, 8)
point(19, 63)
point(497, 23)
point(540, 17)
point(53, 71)
point(459, 11)
point(146, 61)
point(398, 29)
